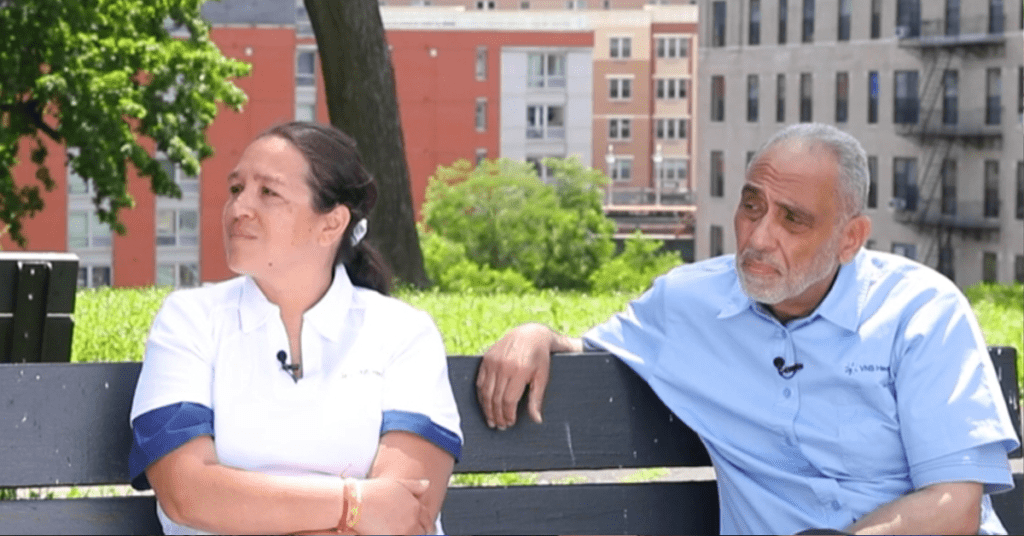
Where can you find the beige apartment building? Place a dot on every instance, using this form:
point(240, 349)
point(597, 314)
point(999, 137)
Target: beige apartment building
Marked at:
point(934, 89)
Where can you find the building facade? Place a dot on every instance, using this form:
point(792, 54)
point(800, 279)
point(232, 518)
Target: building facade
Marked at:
point(933, 90)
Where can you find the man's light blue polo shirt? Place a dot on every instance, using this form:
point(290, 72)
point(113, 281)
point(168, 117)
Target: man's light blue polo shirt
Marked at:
point(896, 392)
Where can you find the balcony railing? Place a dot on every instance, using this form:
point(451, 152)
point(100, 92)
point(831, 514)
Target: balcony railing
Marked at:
point(545, 133)
point(966, 215)
point(971, 123)
point(978, 30)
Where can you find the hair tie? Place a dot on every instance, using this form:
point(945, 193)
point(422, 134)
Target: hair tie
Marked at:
point(359, 231)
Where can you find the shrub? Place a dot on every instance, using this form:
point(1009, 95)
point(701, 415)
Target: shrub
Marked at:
point(447, 266)
point(555, 235)
point(635, 268)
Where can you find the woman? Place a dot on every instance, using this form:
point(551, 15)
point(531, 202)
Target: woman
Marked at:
point(297, 397)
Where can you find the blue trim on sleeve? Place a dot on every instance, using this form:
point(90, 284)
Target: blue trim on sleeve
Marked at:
point(421, 425)
point(159, 431)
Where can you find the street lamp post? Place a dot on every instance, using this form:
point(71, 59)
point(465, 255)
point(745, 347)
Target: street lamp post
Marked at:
point(609, 159)
point(657, 158)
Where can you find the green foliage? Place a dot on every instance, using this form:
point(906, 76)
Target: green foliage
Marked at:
point(555, 235)
point(493, 479)
point(451, 271)
point(646, 475)
point(98, 76)
point(635, 268)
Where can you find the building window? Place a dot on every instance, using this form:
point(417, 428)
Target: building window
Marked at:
point(717, 174)
point(545, 70)
point(177, 227)
point(622, 169)
point(302, 25)
point(905, 103)
point(485, 4)
point(946, 262)
point(178, 275)
point(952, 17)
point(93, 276)
point(670, 129)
point(753, 97)
point(1018, 268)
point(807, 36)
point(717, 242)
point(305, 68)
point(619, 129)
point(187, 183)
point(950, 98)
point(993, 92)
point(876, 19)
point(908, 18)
point(86, 231)
point(620, 47)
point(842, 96)
point(481, 63)
point(545, 122)
point(844, 20)
point(989, 267)
point(718, 98)
point(873, 97)
point(718, 24)
point(780, 98)
point(754, 37)
point(576, 4)
point(872, 182)
point(783, 20)
point(907, 250)
point(672, 47)
point(948, 177)
point(76, 184)
point(1020, 190)
point(670, 88)
point(995, 16)
point(620, 88)
point(904, 184)
point(481, 114)
point(991, 188)
point(674, 169)
point(806, 98)
point(481, 155)
point(525, 4)
point(1020, 91)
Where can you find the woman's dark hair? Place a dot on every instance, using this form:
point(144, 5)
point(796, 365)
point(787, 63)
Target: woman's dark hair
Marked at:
point(337, 177)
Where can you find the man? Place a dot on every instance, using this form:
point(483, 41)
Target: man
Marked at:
point(834, 387)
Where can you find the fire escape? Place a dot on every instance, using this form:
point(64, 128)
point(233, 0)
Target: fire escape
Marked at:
point(943, 129)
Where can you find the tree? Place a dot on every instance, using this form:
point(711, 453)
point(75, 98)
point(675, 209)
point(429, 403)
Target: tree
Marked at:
point(555, 235)
point(100, 76)
point(361, 99)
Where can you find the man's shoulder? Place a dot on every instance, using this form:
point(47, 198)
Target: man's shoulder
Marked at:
point(879, 267)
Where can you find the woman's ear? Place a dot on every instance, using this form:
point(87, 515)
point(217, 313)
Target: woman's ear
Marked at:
point(334, 224)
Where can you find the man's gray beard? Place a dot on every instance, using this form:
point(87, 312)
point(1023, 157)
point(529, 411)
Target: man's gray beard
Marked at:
point(792, 284)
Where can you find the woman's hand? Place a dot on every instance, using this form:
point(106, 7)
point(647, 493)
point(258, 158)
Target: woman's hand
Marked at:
point(392, 506)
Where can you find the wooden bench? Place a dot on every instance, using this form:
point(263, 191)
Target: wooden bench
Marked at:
point(67, 424)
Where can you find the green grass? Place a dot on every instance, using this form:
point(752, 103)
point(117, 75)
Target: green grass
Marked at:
point(111, 324)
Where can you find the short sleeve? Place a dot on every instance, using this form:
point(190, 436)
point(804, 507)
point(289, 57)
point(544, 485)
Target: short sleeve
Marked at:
point(172, 402)
point(948, 397)
point(637, 334)
point(417, 394)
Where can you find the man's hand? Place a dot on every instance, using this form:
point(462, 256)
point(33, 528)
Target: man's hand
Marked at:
point(522, 357)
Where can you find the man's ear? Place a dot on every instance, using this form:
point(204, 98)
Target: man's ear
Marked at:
point(855, 234)
point(334, 224)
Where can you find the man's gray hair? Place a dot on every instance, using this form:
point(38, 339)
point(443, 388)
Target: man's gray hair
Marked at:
point(853, 161)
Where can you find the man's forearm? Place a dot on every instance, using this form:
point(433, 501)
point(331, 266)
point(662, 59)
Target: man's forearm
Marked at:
point(565, 344)
point(946, 508)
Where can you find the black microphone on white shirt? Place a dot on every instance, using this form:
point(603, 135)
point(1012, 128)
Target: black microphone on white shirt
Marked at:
point(290, 369)
point(786, 372)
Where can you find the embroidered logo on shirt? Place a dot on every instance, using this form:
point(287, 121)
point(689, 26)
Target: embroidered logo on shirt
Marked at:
point(853, 368)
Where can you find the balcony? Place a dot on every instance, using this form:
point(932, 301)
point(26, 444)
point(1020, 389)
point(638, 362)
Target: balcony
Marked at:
point(961, 215)
point(952, 33)
point(976, 123)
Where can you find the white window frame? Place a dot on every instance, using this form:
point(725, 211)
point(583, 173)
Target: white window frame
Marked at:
point(621, 163)
point(485, 5)
point(176, 268)
point(97, 234)
point(671, 88)
point(620, 128)
point(189, 185)
point(546, 79)
point(480, 115)
point(672, 47)
point(671, 128)
point(680, 168)
point(541, 129)
point(620, 47)
point(305, 86)
point(177, 238)
point(481, 63)
point(90, 269)
point(620, 88)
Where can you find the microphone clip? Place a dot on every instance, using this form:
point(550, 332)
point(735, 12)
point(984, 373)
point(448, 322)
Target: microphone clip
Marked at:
point(293, 369)
point(784, 371)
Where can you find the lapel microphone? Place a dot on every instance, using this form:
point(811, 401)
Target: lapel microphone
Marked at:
point(290, 369)
point(785, 372)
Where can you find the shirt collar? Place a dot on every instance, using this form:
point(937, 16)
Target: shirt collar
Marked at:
point(837, 307)
point(326, 316)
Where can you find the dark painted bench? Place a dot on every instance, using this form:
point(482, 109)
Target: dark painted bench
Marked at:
point(67, 424)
